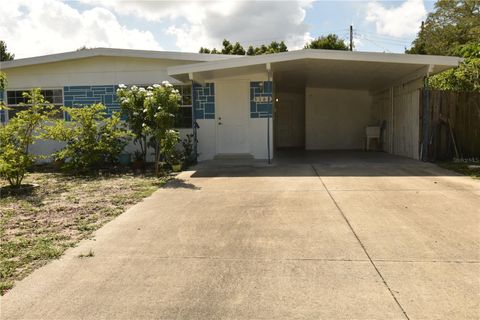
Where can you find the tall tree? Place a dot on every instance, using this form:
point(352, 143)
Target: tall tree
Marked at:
point(329, 42)
point(4, 54)
point(274, 47)
point(450, 25)
point(453, 28)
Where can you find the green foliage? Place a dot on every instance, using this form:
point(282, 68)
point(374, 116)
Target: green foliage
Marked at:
point(237, 49)
point(329, 42)
point(92, 138)
point(465, 77)
point(4, 54)
point(154, 110)
point(188, 150)
point(3, 80)
point(453, 29)
point(3, 85)
point(168, 145)
point(450, 25)
point(132, 103)
point(274, 47)
point(17, 136)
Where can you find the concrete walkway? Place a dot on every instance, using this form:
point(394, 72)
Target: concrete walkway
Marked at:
point(351, 236)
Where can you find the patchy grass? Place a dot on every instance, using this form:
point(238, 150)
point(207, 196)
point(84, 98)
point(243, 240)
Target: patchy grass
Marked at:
point(37, 228)
point(462, 168)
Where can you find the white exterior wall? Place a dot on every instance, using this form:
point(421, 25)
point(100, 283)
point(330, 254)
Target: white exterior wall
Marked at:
point(400, 107)
point(90, 72)
point(258, 138)
point(257, 127)
point(335, 119)
point(207, 139)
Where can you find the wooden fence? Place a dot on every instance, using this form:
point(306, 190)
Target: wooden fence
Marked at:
point(454, 124)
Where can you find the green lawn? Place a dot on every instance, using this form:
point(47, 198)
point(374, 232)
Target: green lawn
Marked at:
point(39, 227)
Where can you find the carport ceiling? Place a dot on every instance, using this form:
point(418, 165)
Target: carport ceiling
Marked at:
point(358, 75)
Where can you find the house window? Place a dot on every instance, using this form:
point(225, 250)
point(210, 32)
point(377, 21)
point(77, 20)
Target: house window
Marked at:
point(183, 118)
point(16, 102)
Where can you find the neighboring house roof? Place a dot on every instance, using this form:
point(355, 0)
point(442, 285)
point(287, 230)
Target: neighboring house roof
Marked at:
point(109, 52)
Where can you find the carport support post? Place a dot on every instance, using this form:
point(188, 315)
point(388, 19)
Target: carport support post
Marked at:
point(269, 78)
point(426, 119)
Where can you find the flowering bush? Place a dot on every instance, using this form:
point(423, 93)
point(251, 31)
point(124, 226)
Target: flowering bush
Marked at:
point(150, 114)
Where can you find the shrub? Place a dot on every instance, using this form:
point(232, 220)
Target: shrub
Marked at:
point(17, 136)
point(92, 138)
point(160, 103)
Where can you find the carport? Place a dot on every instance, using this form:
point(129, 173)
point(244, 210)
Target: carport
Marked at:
point(319, 100)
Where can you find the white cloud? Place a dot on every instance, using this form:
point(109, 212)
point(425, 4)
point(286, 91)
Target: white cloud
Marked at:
point(400, 21)
point(207, 23)
point(39, 27)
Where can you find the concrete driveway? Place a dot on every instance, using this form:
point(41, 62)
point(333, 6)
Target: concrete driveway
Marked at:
point(322, 236)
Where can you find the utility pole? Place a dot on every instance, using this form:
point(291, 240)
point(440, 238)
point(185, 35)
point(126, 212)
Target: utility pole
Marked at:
point(351, 38)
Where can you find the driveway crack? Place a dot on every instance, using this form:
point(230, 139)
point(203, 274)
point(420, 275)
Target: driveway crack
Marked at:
point(361, 244)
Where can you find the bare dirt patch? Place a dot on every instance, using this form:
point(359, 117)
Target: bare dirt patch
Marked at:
point(39, 227)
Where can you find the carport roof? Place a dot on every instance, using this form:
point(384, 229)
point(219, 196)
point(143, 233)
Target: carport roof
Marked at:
point(328, 68)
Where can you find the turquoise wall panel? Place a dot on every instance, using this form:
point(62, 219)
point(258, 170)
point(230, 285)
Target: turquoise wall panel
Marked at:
point(77, 96)
point(261, 99)
point(204, 101)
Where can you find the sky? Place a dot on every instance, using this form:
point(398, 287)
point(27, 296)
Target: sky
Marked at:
point(39, 27)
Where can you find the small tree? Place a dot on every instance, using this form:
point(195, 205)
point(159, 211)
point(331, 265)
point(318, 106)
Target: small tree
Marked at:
point(132, 103)
point(19, 134)
point(92, 139)
point(153, 114)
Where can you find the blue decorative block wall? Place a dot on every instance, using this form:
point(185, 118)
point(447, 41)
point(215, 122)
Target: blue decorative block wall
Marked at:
point(77, 96)
point(204, 101)
point(2, 112)
point(261, 99)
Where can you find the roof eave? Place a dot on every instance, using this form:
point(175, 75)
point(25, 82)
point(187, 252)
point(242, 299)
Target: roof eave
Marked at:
point(111, 52)
point(315, 54)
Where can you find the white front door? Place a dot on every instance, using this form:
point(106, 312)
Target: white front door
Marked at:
point(232, 116)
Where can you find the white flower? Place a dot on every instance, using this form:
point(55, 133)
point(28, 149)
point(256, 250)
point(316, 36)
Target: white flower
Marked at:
point(134, 88)
point(149, 88)
point(166, 84)
point(122, 86)
point(145, 110)
point(149, 94)
point(135, 113)
point(156, 85)
point(144, 125)
point(159, 108)
point(141, 89)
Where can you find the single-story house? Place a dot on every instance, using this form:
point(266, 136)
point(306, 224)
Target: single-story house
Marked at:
point(249, 105)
